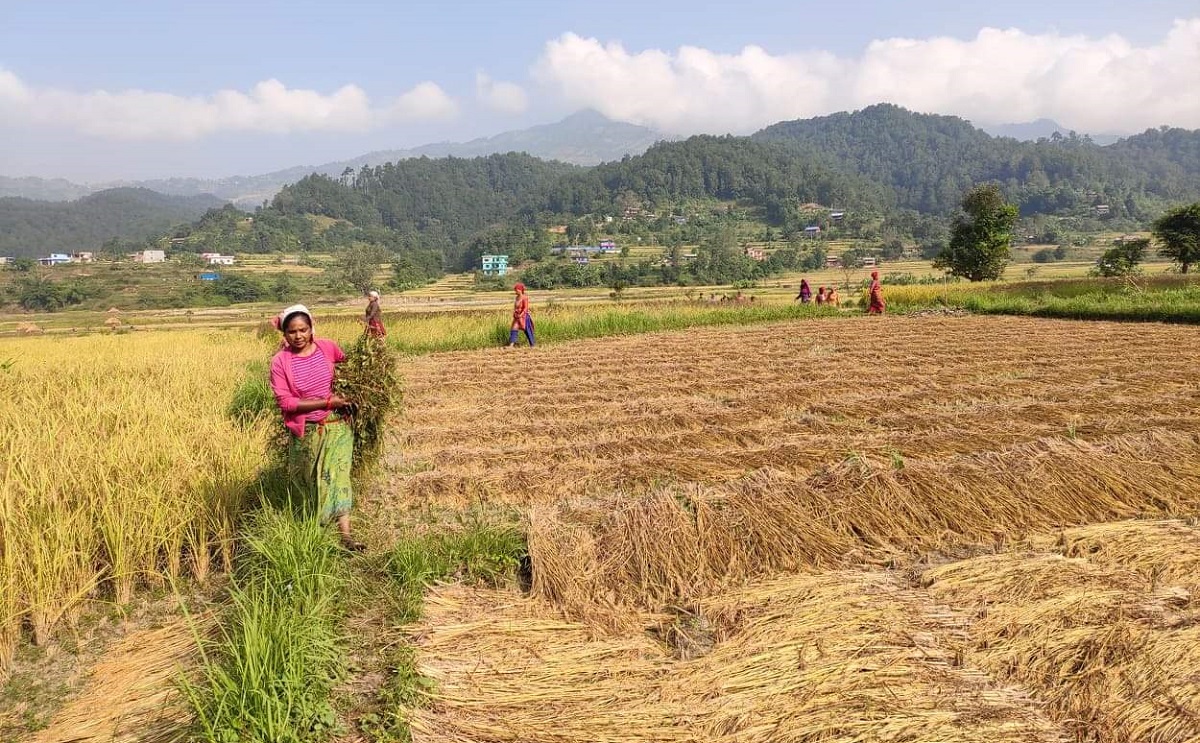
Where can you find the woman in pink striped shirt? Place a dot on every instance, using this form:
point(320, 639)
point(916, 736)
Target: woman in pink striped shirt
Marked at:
point(321, 450)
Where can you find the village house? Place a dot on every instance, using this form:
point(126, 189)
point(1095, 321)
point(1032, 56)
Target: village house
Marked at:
point(833, 261)
point(812, 231)
point(493, 265)
point(753, 253)
point(82, 256)
point(55, 259)
point(150, 256)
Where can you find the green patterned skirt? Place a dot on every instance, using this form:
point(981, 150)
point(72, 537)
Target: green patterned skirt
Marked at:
point(319, 466)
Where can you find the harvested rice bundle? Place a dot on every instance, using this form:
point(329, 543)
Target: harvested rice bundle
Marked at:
point(368, 377)
point(133, 693)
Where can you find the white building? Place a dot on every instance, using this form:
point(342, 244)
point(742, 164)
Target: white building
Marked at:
point(215, 259)
point(151, 256)
point(55, 259)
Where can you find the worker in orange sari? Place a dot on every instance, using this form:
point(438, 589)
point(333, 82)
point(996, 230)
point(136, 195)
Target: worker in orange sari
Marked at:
point(875, 303)
point(521, 319)
point(831, 297)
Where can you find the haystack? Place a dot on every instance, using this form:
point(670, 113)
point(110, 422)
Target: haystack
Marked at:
point(112, 311)
point(28, 328)
point(112, 322)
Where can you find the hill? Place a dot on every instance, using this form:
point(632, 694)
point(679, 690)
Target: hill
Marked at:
point(1031, 131)
point(583, 138)
point(30, 228)
point(930, 160)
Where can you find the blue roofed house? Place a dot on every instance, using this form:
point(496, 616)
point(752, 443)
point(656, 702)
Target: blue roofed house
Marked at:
point(494, 265)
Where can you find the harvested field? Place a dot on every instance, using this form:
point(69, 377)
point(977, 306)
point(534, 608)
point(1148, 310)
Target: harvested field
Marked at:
point(902, 529)
point(660, 468)
point(709, 406)
point(1014, 646)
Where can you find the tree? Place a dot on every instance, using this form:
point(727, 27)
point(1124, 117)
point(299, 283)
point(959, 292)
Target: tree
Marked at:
point(356, 265)
point(979, 240)
point(1123, 259)
point(1178, 235)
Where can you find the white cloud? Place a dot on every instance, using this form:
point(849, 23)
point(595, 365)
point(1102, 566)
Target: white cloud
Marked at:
point(501, 96)
point(1098, 85)
point(269, 106)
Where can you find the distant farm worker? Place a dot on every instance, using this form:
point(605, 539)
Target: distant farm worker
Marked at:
point(820, 295)
point(805, 295)
point(321, 449)
point(374, 316)
point(521, 319)
point(875, 303)
point(831, 297)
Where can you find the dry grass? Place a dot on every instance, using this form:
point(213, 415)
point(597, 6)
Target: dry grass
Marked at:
point(661, 468)
point(847, 656)
point(1111, 650)
point(1013, 646)
point(131, 695)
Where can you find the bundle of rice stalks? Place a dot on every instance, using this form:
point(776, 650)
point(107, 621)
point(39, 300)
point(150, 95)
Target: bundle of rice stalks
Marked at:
point(132, 694)
point(1070, 632)
point(368, 378)
point(840, 657)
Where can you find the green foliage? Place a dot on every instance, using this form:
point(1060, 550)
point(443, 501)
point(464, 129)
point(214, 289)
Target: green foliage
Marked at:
point(1178, 235)
point(269, 676)
point(979, 241)
point(239, 288)
point(356, 265)
point(253, 399)
point(476, 551)
point(369, 380)
point(1169, 305)
point(1124, 259)
point(32, 228)
point(1045, 255)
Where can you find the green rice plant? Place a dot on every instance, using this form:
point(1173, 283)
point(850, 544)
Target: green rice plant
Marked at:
point(270, 674)
point(253, 399)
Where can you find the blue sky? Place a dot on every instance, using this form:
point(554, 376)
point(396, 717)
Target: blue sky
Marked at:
point(118, 89)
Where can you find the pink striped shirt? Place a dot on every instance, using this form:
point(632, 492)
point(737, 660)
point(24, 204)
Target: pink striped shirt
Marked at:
point(313, 376)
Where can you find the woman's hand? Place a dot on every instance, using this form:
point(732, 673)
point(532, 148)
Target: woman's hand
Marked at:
point(337, 401)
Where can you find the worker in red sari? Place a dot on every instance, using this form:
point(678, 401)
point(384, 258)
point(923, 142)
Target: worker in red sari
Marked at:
point(875, 303)
point(521, 319)
point(374, 317)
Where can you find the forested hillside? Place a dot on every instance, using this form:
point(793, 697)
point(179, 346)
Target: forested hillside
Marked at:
point(34, 228)
point(929, 161)
point(898, 176)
